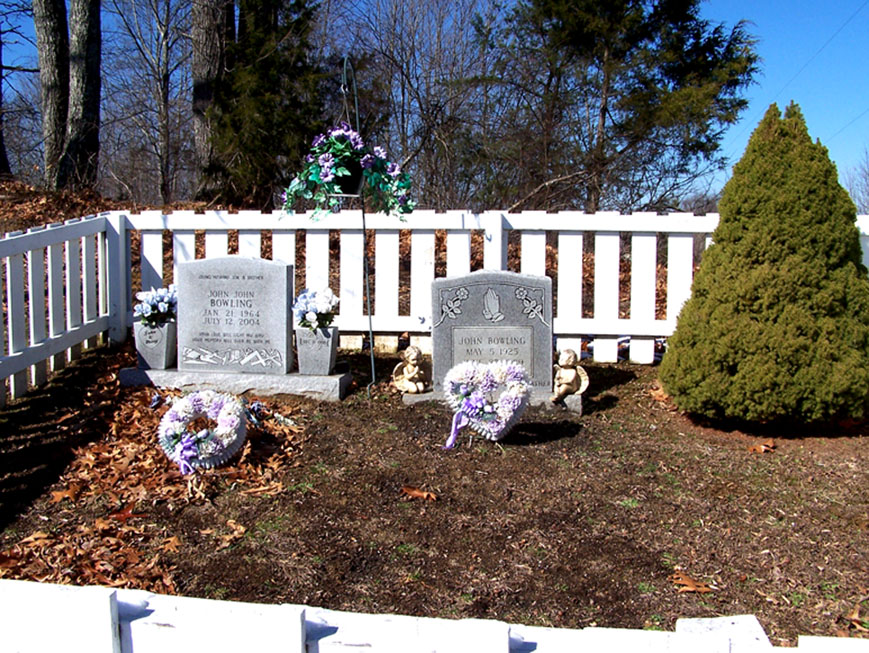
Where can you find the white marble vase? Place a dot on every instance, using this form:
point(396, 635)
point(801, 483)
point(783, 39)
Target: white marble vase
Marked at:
point(156, 346)
point(316, 350)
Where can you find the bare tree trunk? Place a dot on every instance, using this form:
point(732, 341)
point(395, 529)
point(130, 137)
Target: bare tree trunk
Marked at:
point(599, 166)
point(5, 170)
point(163, 110)
point(209, 24)
point(49, 21)
point(78, 167)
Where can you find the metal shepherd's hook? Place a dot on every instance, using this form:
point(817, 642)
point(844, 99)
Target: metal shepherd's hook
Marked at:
point(348, 68)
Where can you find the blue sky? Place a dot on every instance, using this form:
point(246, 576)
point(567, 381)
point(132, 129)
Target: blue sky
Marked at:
point(814, 53)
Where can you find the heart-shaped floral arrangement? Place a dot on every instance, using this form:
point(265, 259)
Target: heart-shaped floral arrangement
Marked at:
point(489, 398)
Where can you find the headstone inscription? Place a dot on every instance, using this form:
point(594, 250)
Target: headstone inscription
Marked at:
point(234, 315)
point(490, 316)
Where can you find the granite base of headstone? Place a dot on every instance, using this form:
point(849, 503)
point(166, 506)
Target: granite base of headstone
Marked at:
point(325, 388)
point(235, 333)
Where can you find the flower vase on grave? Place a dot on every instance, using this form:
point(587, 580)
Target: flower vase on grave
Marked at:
point(156, 345)
point(316, 350)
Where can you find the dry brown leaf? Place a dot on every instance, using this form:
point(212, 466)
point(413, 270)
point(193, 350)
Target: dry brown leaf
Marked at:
point(854, 618)
point(658, 394)
point(37, 538)
point(269, 489)
point(70, 493)
point(237, 533)
point(416, 493)
point(171, 544)
point(767, 446)
point(688, 584)
point(127, 513)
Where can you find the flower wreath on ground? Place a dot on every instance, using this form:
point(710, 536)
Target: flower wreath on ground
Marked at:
point(472, 391)
point(208, 447)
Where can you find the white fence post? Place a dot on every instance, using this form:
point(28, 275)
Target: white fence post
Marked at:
point(533, 249)
point(73, 290)
point(458, 252)
point(117, 276)
point(89, 283)
point(183, 247)
point(643, 261)
point(570, 278)
point(606, 292)
point(283, 247)
point(36, 297)
point(494, 240)
point(386, 248)
point(151, 251)
point(680, 272)
point(56, 318)
point(422, 273)
point(249, 240)
point(15, 325)
point(316, 259)
point(352, 273)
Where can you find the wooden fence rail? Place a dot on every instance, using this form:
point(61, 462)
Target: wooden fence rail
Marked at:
point(67, 285)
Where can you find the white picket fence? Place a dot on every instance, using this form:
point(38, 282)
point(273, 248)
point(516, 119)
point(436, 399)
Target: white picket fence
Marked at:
point(68, 285)
point(104, 620)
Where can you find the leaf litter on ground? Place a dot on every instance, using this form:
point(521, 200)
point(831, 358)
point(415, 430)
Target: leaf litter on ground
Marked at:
point(128, 470)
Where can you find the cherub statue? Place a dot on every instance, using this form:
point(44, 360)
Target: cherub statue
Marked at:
point(570, 378)
point(408, 376)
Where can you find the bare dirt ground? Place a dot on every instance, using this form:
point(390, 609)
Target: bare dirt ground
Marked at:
point(629, 516)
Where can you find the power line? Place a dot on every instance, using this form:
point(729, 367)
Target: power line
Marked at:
point(804, 66)
point(848, 125)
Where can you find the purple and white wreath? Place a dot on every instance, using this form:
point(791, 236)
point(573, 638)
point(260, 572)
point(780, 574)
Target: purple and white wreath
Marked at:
point(208, 447)
point(487, 397)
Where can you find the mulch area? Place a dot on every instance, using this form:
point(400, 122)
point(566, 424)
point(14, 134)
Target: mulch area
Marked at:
point(630, 515)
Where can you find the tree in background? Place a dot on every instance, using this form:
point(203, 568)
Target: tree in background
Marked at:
point(266, 106)
point(212, 28)
point(858, 183)
point(147, 107)
point(519, 105)
point(777, 326)
point(624, 101)
point(17, 109)
point(52, 36)
point(425, 56)
point(69, 64)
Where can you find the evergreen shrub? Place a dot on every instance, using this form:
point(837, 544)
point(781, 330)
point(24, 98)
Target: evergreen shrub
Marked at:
point(777, 326)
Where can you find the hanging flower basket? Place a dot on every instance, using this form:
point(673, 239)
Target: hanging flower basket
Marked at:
point(206, 448)
point(338, 163)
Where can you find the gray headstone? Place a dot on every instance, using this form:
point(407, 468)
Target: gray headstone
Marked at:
point(234, 315)
point(489, 316)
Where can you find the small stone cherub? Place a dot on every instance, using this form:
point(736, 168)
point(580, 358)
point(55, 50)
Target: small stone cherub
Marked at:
point(570, 378)
point(408, 376)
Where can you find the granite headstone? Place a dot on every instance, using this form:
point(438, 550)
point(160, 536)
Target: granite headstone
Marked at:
point(489, 316)
point(234, 315)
